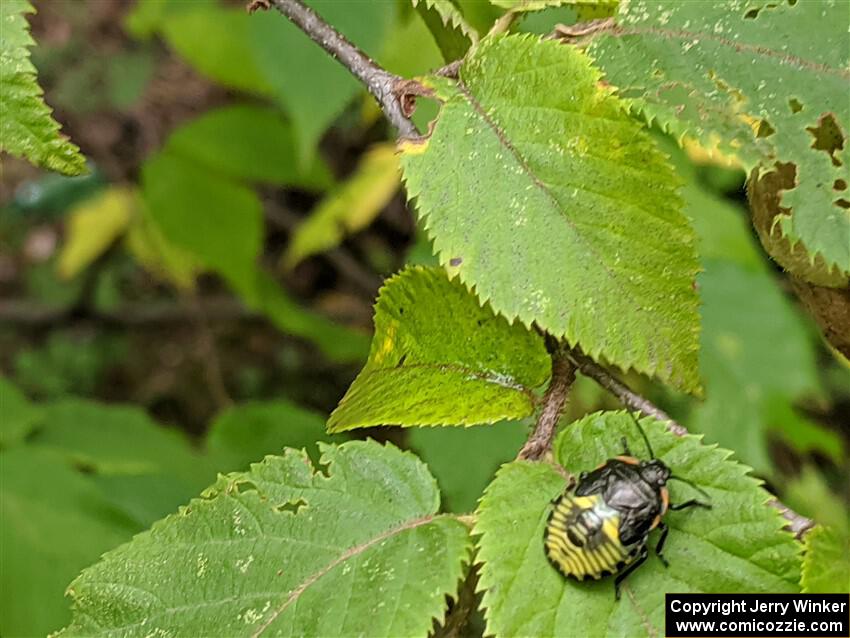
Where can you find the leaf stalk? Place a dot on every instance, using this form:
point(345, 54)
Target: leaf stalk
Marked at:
point(563, 375)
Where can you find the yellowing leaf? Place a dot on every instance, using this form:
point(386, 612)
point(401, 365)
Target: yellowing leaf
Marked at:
point(158, 255)
point(93, 225)
point(350, 208)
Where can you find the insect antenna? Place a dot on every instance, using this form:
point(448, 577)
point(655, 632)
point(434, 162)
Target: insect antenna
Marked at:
point(643, 434)
point(692, 484)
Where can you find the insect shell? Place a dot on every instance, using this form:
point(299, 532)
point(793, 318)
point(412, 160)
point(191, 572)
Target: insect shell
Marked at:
point(601, 527)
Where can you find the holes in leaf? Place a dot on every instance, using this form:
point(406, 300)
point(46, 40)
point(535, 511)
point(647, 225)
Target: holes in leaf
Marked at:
point(291, 506)
point(828, 137)
point(753, 13)
point(839, 185)
point(241, 487)
point(323, 468)
point(401, 361)
point(764, 129)
point(842, 203)
point(795, 105)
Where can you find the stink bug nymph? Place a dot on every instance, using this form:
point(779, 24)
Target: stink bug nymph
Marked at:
point(601, 526)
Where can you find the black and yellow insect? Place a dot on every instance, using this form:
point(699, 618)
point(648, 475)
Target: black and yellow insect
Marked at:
point(601, 526)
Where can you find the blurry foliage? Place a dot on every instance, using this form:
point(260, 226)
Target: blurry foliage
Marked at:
point(291, 133)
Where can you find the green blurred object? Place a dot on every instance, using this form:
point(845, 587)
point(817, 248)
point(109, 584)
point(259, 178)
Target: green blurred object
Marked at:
point(253, 143)
point(19, 415)
point(52, 195)
point(246, 433)
point(754, 345)
point(127, 75)
point(67, 363)
point(464, 460)
point(53, 522)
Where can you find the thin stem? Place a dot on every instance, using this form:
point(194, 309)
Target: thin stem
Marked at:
point(796, 523)
point(386, 87)
point(627, 397)
point(563, 375)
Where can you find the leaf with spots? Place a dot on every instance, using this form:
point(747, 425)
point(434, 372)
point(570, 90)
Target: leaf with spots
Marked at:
point(738, 546)
point(563, 211)
point(766, 81)
point(287, 550)
point(439, 358)
point(538, 5)
point(27, 127)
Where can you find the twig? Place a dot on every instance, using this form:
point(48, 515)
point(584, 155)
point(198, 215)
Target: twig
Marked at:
point(631, 400)
point(26, 313)
point(209, 356)
point(563, 375)
point(796, 523)
point(387, 88)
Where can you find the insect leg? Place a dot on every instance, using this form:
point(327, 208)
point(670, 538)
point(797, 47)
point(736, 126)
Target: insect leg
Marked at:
point(659, 546)
point(641, 559)
point(690, 503)
point(626, 450)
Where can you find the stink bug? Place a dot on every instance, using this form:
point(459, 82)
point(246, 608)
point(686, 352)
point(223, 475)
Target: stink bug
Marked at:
point(601, 526)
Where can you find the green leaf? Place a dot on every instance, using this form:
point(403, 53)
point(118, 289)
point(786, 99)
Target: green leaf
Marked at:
point(738, 546)
point(220, 222)
point(755, 349)
point(539, 5)
point(217, 41)
point(20, 416)
point(439, 358)
point(337, 342)
point(27, 127)
point(147, 244)
point(464, 461)
point(312, 86)
point(558, 209)
point(826, 563)
point(247, 142)
point(52, 524)
point(287, 550)
point(114, 439)
point(93, 226)
point(452, 33)
point(350, 208)
point(768, 82)
point(245, 433)
point(801, 433)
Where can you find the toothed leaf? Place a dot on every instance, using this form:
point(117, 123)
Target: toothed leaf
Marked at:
point(285, 550)
point(738, 546)
point(826, 565)
point(767, 82)
point(27, 127)
point(439, 358)
point(559, 208)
